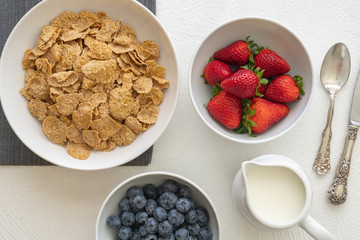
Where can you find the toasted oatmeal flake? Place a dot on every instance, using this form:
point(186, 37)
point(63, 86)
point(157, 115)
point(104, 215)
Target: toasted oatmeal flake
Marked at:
point(37, 87)
point(47, 37)
point(82, 117)
point(79, 151)
point(38, 108)
point(55, 130)
point(62, 79)
point(91, 137)
point(74, 134)
point(67, 103)
point(106, 126)
point(149, 114)
point(124, 136)
point(101, 71)
point(143, 84)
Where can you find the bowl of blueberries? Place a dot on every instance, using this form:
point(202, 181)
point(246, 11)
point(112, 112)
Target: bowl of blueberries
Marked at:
point(157, 206)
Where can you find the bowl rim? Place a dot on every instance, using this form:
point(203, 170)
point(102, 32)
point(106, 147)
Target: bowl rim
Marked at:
point(148, 145)
point(190, 92)
point(161, 173)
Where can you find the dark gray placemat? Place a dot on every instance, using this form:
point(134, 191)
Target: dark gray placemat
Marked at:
point(12, 150)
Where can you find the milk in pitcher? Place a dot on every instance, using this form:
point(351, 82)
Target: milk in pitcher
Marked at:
point(276, 193)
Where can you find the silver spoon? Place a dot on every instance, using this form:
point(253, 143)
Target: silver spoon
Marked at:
point(334, 74)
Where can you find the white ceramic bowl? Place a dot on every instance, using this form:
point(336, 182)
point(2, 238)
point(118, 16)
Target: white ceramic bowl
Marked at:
point(111, 203)
point(266, 33)
point(24, 36)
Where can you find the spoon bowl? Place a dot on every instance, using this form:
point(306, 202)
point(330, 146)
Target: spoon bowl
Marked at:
point(335, 68)
point(335, 71)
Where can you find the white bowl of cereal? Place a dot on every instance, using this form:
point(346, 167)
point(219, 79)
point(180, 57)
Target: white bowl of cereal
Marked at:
point(89, 85)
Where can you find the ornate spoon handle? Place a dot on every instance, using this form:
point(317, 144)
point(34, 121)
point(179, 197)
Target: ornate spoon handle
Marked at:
point(338, 190)
point(322, 161)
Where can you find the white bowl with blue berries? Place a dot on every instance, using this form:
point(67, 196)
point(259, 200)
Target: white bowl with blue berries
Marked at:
point(157, 206)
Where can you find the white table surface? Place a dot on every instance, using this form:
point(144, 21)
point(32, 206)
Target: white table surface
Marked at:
point(58, 203)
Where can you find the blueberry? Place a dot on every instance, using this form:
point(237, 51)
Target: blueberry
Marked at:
point(127, 218)
point(191, 216)
point(150, 191)
point(134, 191)
point(172, 237)
point(143, 231)
point(176, 218)
point(141, 217)
point(183, 225)
point(135, 235)
point(124, 233)
point(184, 191)
point(160, 190)
point(170, 186)
point(167, 200)
point(124, 204)
point(203, 216)
point(160, 214)
point(193, 203)
point(151, 225)
point(165, 228)
point(194, 229)
point(205, 234)
point(151, 237)
point(182, 234)
point(191, 237)
point(114, 222)
point(183, 205)
point(150, 206)
point(137, 203)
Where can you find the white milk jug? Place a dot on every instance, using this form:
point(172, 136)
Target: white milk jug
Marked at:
point(273, 193)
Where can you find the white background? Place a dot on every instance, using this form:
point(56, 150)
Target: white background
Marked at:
point(58, 203)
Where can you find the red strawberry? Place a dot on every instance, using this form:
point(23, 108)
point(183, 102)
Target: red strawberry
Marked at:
point(266, 114)
point(216, 71)
point(283, 89)
point(271, 63)
point(226, 108)
point(242, 83)
point(236, 54)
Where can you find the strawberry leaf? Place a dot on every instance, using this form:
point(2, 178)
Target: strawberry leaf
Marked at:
point(248, 126)
point(264, 81)
point(216, 90)
point(251, 113)
point(258, 72)
point(240, 130)
point(299, 83)
point(302, 92)
point(258, 94)
point(252, 123)
point(254, 48)
point(246, 123)
point(251, 60)
point(246, 66)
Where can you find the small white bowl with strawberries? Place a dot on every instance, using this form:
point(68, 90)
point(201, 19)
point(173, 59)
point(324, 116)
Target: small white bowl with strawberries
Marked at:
point(251, 80)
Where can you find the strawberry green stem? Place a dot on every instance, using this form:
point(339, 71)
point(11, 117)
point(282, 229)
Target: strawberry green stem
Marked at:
point(246, 123)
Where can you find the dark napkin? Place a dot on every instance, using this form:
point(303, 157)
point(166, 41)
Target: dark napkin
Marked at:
point(12, 150)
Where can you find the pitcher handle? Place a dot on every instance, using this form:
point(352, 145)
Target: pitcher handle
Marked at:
point(315, 229)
